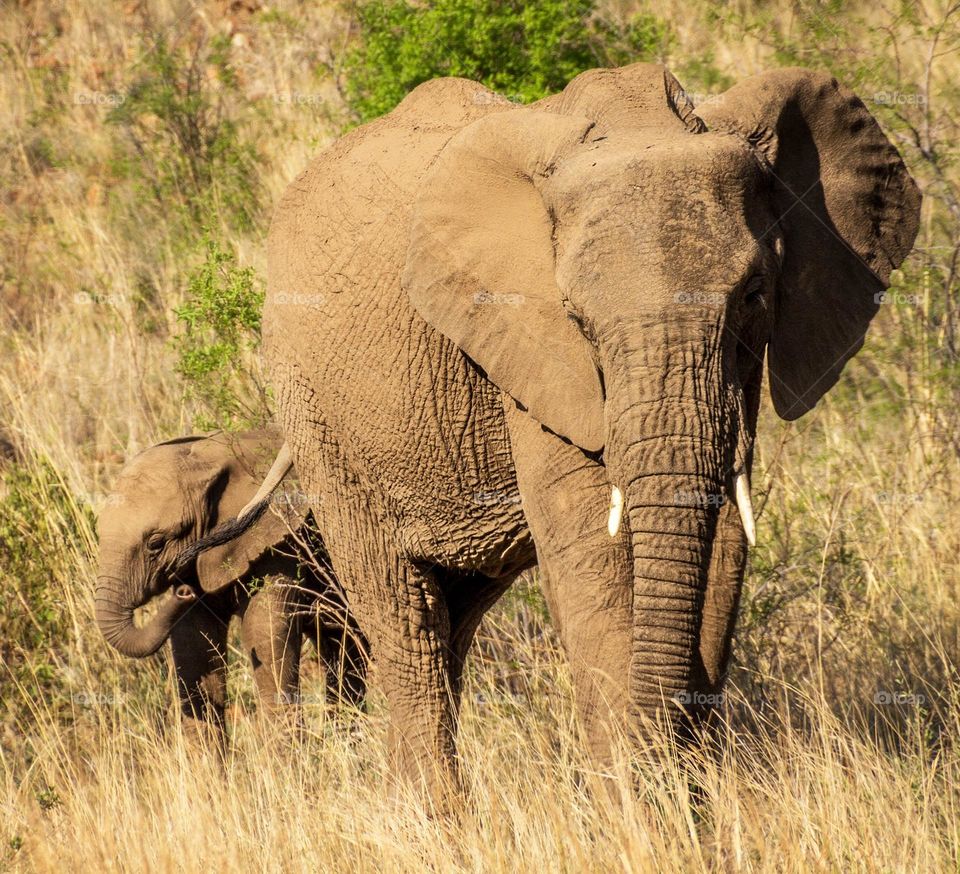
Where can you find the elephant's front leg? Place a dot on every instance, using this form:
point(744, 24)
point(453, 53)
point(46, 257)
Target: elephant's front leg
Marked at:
point(271, 631)
point(199, 644)
point(586, 573)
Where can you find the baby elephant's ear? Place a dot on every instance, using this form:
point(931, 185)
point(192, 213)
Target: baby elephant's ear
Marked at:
point(849, 212)
point(222, 565)
point(237, 483)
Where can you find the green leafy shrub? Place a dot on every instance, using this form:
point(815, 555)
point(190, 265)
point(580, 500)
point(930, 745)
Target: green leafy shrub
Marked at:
point(220, 321)
point(522, 50)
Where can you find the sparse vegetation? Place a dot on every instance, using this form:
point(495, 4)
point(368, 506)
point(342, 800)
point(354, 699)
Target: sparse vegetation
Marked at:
point(183, 149)
point(142, 147)
point(220, 331)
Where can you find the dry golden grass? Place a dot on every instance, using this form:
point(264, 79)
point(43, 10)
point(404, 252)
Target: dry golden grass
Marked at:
point(844, 707)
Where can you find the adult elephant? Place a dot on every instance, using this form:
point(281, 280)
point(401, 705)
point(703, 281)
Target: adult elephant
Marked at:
point(501, 335)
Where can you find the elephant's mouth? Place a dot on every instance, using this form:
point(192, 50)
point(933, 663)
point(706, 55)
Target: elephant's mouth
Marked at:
point(115, 615)
point(185, 592)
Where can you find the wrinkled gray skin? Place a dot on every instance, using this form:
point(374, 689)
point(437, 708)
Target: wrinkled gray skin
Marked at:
point(483, 318)
point(168, 498)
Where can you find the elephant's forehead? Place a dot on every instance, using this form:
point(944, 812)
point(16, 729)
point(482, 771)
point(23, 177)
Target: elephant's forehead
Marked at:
point(682, 202)
point(668, 168)
point(142, 499)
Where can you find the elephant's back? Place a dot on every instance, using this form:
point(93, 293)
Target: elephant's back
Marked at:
point(362, 186)
point(407, 410)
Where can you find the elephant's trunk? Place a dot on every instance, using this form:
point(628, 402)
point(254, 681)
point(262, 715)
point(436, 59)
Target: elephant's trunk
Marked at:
point(671, 548)
point(114, 613)
point(669, 442)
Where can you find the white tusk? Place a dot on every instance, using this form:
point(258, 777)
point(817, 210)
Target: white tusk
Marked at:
point(616, 512)
point(281, 466)
point(745, 506)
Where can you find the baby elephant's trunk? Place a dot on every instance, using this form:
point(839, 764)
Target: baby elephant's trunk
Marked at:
point(114, 612)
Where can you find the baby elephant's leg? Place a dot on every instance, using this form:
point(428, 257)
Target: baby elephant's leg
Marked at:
point(199, 644)
point(272, 634)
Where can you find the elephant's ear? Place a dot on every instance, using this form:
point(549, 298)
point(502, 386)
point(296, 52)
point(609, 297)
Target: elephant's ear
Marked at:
point(240, 474)
point(849, 212)
point(480, 267)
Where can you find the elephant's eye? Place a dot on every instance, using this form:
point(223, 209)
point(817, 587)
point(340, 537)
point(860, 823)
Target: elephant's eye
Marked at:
point(155, 543)
point(753, 290)
point(583, 326)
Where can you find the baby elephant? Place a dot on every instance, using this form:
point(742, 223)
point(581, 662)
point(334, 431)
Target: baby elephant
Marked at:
point(165, 500)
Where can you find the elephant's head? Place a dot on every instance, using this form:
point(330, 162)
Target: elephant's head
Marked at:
point(618, 264)
point(167, 499)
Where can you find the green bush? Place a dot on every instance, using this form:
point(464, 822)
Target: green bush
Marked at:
point(220, 322)
point(522, 50)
